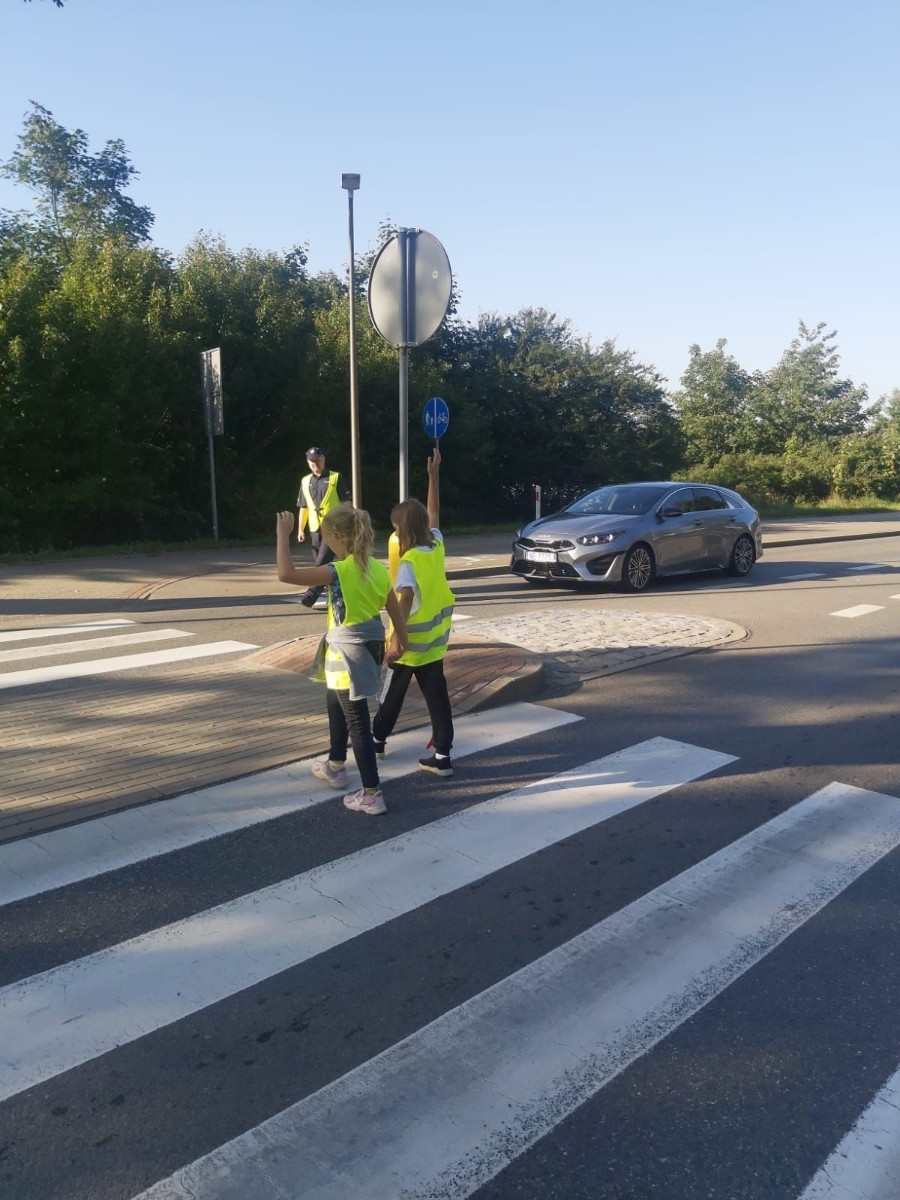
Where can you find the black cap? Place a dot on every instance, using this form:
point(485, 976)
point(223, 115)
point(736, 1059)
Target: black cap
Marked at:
point(315, 452)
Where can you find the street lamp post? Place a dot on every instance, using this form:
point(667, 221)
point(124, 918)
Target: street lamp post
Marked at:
point(350, 183)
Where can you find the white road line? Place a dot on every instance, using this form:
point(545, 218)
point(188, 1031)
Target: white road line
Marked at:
point(73, 1013)
point(52, 860)
point(870, 567)
point(865, 1165)
point(458, 616)
point(126, 662)
point(858, 610)
point(45, 631)
point(896, 596)
point(121, 639)
point(446, 1109)
point(805, 575)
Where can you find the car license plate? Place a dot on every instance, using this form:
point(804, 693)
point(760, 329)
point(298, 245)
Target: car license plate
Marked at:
point(540, 556)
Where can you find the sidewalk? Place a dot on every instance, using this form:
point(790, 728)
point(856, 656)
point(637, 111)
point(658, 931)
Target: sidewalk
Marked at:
point(94, 746)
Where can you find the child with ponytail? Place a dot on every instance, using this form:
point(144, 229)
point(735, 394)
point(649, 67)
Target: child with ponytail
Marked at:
point(426, 604)
point(350, 655)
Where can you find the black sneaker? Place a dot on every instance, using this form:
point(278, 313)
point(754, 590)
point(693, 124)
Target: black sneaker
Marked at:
point(308, 600)
point(437, 766)
point(379, 748)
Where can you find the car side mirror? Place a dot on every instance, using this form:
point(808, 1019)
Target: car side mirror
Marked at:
point(668, 512)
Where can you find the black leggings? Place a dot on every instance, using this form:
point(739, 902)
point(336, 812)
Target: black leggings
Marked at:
point(350, 719)
point(430, 678)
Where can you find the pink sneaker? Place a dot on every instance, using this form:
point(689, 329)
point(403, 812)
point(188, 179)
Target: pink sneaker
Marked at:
point(335, 777)
point(360, 802)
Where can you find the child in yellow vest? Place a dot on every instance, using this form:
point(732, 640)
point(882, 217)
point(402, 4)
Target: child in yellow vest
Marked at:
point(426, 604)
point(358, 588)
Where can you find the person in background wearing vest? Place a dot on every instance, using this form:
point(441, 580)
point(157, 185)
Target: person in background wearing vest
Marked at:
point(320, 491)
point(426, 603)
point(350, 655)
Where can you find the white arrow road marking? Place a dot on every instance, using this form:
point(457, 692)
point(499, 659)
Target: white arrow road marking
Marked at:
point(443, 1111)
point(68, 1015)
point(63, 856)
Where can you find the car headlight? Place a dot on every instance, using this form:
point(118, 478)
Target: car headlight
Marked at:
point(599, 539)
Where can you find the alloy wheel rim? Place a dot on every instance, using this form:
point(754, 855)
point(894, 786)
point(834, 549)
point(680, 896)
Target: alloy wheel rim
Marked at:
point(639, 569)
point(743, 556)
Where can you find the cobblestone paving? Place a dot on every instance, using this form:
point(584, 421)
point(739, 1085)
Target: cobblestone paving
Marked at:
point(583, 645)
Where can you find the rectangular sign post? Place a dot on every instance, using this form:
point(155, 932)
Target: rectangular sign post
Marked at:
point(214, 412)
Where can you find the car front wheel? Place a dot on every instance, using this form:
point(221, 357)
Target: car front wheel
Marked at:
point(743, 556)
point(638, 568)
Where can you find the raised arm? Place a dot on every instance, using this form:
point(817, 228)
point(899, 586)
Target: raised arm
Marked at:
point(287, 572)
point(433, 504)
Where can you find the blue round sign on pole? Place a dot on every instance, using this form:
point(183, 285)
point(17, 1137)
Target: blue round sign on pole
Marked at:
point(436, 417)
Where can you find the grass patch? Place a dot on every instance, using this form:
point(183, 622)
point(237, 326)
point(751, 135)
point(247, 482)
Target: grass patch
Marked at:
point(834, 506)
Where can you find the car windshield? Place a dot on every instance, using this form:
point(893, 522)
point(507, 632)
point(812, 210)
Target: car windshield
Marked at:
point(622, 500)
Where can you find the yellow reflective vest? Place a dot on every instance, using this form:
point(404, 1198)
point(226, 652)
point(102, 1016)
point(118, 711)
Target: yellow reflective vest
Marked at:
point(428, 627)
point(329, 500)
point(364, 597)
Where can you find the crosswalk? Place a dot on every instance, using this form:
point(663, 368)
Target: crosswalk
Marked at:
point(66, 641)
point(390, 1020)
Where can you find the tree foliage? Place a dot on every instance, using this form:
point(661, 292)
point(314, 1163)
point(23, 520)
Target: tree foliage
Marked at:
point(101, 428)
point(79, 197)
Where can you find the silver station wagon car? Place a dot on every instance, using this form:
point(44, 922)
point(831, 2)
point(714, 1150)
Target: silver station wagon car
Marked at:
point(626, 534)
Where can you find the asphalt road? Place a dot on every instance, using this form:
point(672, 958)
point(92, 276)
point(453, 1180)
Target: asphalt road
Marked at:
point(670, 973)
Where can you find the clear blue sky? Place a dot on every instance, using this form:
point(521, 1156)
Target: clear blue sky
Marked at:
point(659, 171)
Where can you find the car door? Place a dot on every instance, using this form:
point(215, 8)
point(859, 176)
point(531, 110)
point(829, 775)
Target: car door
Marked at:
point(678, 542)
point(716, 519)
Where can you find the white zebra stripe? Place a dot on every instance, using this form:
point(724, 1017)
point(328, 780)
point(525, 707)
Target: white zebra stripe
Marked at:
point(64, 856)
point(70, 1014)
point(121, 639)
point(443, 1111)
point(125, 662)
point(45, 631)
point(866, 1163)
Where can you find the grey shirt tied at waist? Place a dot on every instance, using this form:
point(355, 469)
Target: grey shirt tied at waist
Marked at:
point(362, 649)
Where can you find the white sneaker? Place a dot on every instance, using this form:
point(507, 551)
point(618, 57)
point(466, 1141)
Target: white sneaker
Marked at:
point(322, 602)
point(361, 802)
point(335, 777)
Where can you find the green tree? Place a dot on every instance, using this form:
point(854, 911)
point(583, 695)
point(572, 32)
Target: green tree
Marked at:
point(79, 197)
point(712, 405)
point(260, 308)
point(537, 404)
point(92, 415)
point(802, 397)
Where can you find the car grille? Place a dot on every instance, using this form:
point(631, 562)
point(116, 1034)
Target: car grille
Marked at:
point(531, 544)
point(544, 570)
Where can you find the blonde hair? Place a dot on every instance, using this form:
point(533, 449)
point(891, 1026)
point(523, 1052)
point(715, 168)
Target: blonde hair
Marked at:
point(354, 528)
point(410, 519)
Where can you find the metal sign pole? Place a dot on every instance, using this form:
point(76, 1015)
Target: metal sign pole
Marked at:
point(403, 246)
point(212, 475)
point(354, 373)
point(211, 376)
point(409, 294)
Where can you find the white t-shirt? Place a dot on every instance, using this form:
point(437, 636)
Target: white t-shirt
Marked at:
point(406, 576)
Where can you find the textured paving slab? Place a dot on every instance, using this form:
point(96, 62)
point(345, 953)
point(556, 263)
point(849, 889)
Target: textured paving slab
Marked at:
point(105, 745)
point(585, 645)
